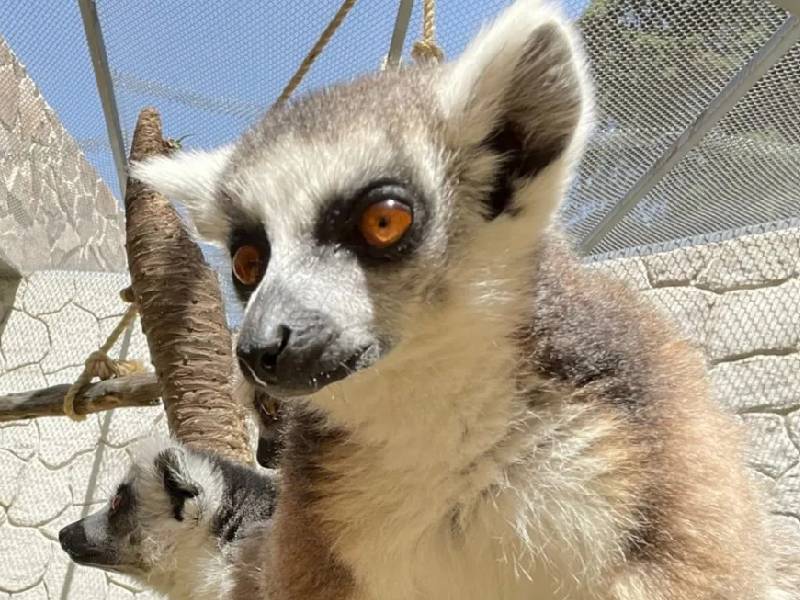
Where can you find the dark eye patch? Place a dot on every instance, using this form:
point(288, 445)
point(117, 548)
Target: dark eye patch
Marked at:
point(338, 225)
point(122, 509)
point(177, 484)
point(254, 235)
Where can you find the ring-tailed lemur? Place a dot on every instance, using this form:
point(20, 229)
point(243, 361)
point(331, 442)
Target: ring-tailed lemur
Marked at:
point(474, 414)
point(188, 524)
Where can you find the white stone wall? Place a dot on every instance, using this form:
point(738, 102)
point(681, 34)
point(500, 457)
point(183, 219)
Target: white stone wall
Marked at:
point(55, 211)
point(738, 300)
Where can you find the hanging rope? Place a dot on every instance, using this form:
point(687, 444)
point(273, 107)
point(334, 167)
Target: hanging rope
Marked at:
point(426, 50)
point(100, 365)
point(315, 51)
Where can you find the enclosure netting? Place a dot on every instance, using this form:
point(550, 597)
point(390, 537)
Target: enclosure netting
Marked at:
point(657, 69)
point(715, 239)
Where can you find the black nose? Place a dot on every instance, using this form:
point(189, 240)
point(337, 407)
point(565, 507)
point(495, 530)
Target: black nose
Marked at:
point(73, 538)
point(259, 358)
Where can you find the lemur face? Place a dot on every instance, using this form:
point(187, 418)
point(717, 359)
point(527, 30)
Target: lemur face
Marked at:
point(357, 215)
point(157, 507)
point(331, 264)
point(106, 538)
point(175, 520)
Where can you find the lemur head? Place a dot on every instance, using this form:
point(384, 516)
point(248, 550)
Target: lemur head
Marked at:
point(174, 511)
point(359, 215)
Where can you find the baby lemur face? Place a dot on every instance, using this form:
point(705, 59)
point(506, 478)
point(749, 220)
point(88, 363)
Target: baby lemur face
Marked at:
point(359, 215)
point(174, 509)
point(167, 495)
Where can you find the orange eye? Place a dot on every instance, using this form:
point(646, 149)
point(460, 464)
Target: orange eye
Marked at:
point(248, 264)
point(384, 223)
point(115, 503)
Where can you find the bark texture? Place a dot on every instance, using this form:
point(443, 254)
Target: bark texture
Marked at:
point(182, 313)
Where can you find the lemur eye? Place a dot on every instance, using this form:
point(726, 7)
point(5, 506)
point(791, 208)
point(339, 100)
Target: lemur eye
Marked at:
point(384, 223)
point(248, 264)
point(116, 502)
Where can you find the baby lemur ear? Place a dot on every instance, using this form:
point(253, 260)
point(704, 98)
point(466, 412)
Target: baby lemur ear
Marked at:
point(519, 92)
point(193, 179)
point(172, 467)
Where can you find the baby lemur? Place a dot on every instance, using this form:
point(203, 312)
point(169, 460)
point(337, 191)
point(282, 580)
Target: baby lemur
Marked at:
point(474, 415)
point(181, 522)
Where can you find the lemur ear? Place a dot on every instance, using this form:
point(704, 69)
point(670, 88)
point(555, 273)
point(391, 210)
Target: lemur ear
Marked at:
point(192, 178)
point(171, 466)
point(518, 93)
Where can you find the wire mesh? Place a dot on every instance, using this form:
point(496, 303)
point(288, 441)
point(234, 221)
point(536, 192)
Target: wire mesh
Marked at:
point(744, 171)
point(657, 65)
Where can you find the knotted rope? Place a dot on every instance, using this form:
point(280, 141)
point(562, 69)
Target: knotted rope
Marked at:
point(100, 365)
point(426, 50)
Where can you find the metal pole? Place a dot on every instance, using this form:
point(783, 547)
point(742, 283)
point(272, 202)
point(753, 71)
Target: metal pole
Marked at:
point(776, 47)
point(399, 33)
point(105, 87)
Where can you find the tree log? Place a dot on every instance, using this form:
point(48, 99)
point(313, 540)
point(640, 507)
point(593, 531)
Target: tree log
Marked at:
point(135, 390)
point(182, 313)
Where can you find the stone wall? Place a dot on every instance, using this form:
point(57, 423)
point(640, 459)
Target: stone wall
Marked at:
point(738, 300)
point(55, 211)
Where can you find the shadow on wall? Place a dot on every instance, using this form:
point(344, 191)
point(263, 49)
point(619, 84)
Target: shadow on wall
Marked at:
point(8, 291)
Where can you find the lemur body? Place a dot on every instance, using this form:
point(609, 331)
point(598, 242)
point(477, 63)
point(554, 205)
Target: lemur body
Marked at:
point(588, 489)
point(473, 414)
point(181, 522)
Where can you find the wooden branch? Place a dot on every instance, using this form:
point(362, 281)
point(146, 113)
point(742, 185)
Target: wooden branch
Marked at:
point(182, 314)
point(141, 389)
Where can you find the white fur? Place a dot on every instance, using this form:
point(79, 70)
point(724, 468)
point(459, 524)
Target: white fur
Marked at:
point(191, 178)
point(185, 558)
point(435, 425)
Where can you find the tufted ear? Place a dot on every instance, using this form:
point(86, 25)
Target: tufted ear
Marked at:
point(517, 93)
point(179, 486)
point(192, 178)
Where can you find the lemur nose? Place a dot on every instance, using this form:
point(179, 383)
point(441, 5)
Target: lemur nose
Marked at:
point(260, 358)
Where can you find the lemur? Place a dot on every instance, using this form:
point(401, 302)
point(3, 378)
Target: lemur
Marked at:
point(473, 414)
point(181, 522)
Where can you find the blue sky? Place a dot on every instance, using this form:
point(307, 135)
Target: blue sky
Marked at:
point(210, 67)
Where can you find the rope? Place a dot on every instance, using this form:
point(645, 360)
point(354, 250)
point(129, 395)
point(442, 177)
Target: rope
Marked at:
point(100, 365)
point(315, 51)
point(426, 50)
